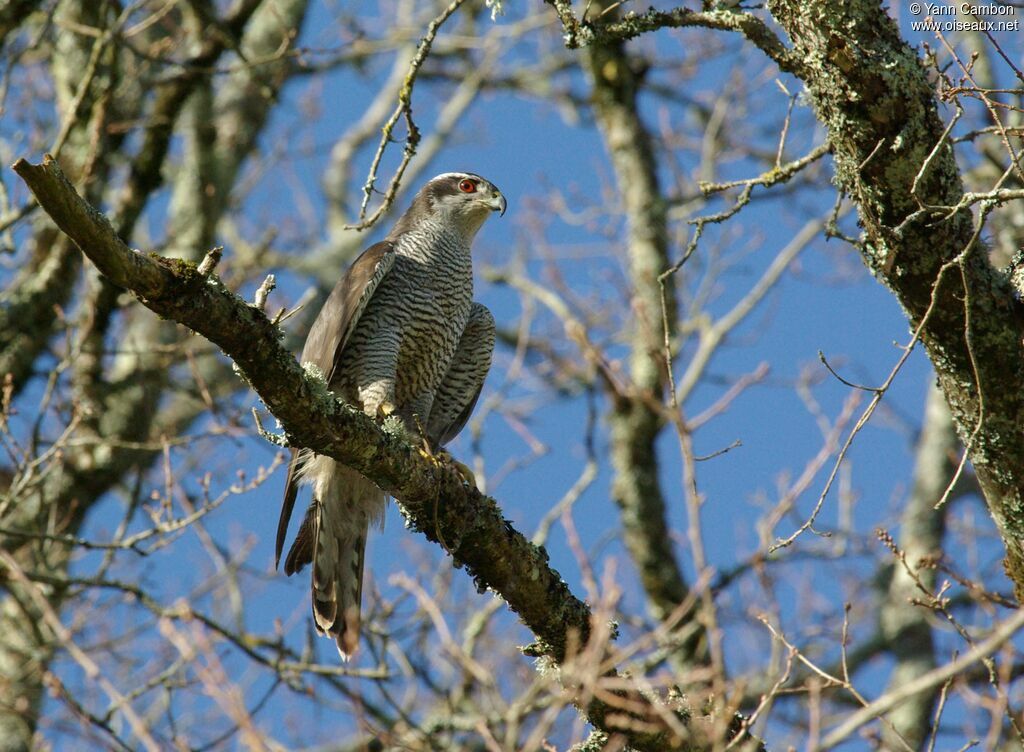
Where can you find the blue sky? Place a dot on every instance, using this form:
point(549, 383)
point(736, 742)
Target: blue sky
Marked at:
point(527, 147)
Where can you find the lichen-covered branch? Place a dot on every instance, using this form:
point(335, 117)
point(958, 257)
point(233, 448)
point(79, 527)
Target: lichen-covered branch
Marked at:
point(433, 497)
point(893, 157)
point(586, 32)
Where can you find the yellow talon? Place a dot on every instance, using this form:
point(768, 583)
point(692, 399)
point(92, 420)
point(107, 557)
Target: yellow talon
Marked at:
point(444, 456)
point(467, 475)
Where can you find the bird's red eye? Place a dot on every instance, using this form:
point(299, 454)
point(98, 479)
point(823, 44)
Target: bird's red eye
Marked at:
point(467, 186)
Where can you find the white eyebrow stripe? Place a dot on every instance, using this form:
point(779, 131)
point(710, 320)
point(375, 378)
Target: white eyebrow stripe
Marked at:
point(446, 175)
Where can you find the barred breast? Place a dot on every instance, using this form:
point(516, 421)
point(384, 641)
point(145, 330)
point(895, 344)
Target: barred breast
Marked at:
point(424, 305)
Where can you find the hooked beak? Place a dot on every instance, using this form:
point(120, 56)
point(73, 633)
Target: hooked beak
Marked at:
point(497, 203)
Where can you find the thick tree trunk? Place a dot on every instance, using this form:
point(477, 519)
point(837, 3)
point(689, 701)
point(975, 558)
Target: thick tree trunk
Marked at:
point(894, 159)
point(26, 647)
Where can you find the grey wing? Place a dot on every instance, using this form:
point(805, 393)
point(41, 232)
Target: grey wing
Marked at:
point(326, 342)
point(460, 388)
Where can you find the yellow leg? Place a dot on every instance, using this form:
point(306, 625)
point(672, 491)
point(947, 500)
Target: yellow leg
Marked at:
point(444, 456)
point(467, 475)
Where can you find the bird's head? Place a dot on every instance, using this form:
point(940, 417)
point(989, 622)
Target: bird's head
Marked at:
point(460, 198)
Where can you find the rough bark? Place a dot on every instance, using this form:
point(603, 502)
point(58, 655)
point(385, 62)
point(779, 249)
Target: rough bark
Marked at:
point(433, 496)
point(894, 159)
point(869, 88)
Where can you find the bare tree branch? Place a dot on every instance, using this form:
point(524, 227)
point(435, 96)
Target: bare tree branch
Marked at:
point(635, 423)
point(907, 627)
point(893, 157)
point(898, 695)
point(433, 497)
point(583, 33)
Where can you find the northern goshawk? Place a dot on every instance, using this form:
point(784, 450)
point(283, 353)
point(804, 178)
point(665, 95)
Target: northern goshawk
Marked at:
point(399, 334)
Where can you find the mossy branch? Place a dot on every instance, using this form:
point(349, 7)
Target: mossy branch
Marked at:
point(893, 156)
point(433, 497)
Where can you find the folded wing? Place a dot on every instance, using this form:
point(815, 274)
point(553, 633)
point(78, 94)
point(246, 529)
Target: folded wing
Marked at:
point(460, 389)
point(325, 347)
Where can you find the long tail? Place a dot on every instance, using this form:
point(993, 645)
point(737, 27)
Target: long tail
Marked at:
point(333, 538)
point(338, 585)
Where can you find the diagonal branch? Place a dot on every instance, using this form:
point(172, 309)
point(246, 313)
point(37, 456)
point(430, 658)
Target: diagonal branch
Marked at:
point(584, 33)
point(433, 497)
point(894, 158)
point(1003, 632)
